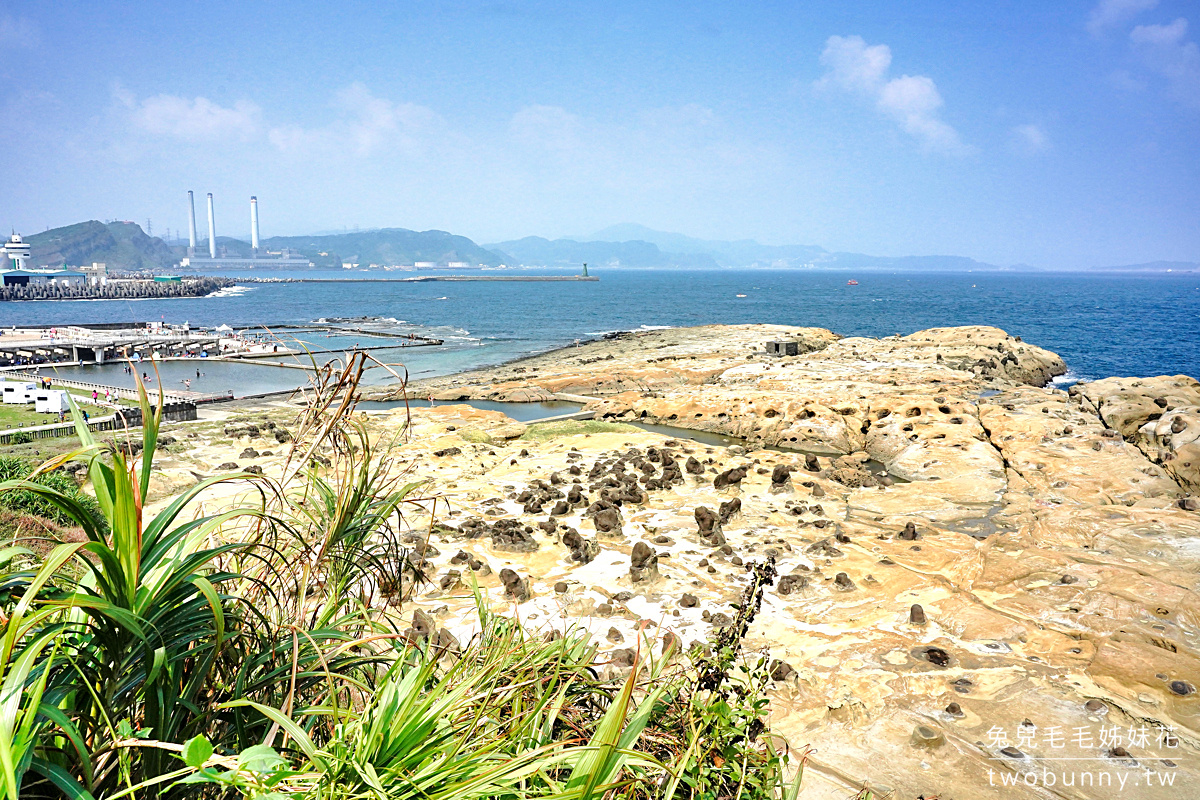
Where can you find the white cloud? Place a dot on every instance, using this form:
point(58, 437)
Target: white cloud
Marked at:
point(368, 125)
point(1113, 13)
point(1165, 49)
point(1169, 35)
point(912, 100)
point(196, 119)
point(852, 64)
point(376, 121)
point(910, 95)
point(1031, 138)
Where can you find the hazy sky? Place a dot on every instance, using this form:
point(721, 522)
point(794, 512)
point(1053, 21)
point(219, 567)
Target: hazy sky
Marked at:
point(1051, 133)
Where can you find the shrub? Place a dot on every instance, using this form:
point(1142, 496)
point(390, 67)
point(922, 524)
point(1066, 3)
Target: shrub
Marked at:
point(26, 502)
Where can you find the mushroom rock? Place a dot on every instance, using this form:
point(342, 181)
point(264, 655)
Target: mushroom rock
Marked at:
point(709, 524)
point(446, 642)
point(730, 477)
point(643, 563)
point(791, 583)
point(582, 550)
point(514, 585)
point(780, 670)
point(422, 627)
point(608, 520)
point(781, 478)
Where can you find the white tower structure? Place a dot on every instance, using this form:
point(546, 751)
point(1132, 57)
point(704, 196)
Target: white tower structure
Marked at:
point(16, 249)
point(212, 229)
point(191, 224)
point(254, 224)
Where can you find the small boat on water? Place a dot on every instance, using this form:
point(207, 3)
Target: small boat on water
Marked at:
point(741, 295)
point(852, 282)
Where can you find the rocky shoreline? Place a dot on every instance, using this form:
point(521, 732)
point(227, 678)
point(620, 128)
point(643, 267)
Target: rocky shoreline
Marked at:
point(976, 569)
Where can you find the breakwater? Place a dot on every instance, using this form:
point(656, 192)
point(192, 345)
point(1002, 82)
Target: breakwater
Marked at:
point(431, 278)
point(117, 290)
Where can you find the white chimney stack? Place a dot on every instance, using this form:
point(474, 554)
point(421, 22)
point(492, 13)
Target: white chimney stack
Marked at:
point(254, 224)
point(212, 230)
point(191, 224)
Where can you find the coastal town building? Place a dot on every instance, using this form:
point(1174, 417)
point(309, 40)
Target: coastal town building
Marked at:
point(34, 277)
point(97, 273)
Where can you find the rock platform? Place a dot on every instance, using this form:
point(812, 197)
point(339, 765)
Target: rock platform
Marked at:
point(981, 574)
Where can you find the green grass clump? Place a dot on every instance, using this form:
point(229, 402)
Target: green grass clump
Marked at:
point(30, 502)
point(545, 431)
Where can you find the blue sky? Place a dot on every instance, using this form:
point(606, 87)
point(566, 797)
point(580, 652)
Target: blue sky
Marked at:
point(1055, 134)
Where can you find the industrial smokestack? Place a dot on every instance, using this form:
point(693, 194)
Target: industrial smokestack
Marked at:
point(191, 224)
point(212, 230)
point(254, 224)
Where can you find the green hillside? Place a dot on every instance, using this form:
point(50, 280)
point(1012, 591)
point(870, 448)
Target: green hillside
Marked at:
point(125, 246)
point(120, 245)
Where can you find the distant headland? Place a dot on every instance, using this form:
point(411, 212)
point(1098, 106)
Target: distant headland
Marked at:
point(125, 245)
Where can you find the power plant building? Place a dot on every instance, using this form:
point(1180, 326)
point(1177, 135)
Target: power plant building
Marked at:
point(258, 257)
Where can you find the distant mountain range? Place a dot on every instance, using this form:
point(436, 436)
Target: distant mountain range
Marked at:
point(749, 253)
point(125, 246)
point(386, 247)
point(536, 251)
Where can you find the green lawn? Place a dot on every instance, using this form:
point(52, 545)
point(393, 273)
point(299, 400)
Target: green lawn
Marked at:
point(14, 416)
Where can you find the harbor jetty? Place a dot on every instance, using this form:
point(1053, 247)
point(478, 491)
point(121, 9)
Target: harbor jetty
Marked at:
point(135, 288)
point(430, 278)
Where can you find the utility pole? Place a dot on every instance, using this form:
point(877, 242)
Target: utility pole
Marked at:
point(149, 228)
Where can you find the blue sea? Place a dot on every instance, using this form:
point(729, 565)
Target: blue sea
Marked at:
point(1102, 325)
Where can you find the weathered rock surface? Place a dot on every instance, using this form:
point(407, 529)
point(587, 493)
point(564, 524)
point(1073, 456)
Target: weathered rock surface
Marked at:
point(961, 549)
point(1160, 415)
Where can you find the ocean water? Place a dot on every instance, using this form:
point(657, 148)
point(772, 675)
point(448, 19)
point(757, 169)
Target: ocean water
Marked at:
point(1102, 325)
